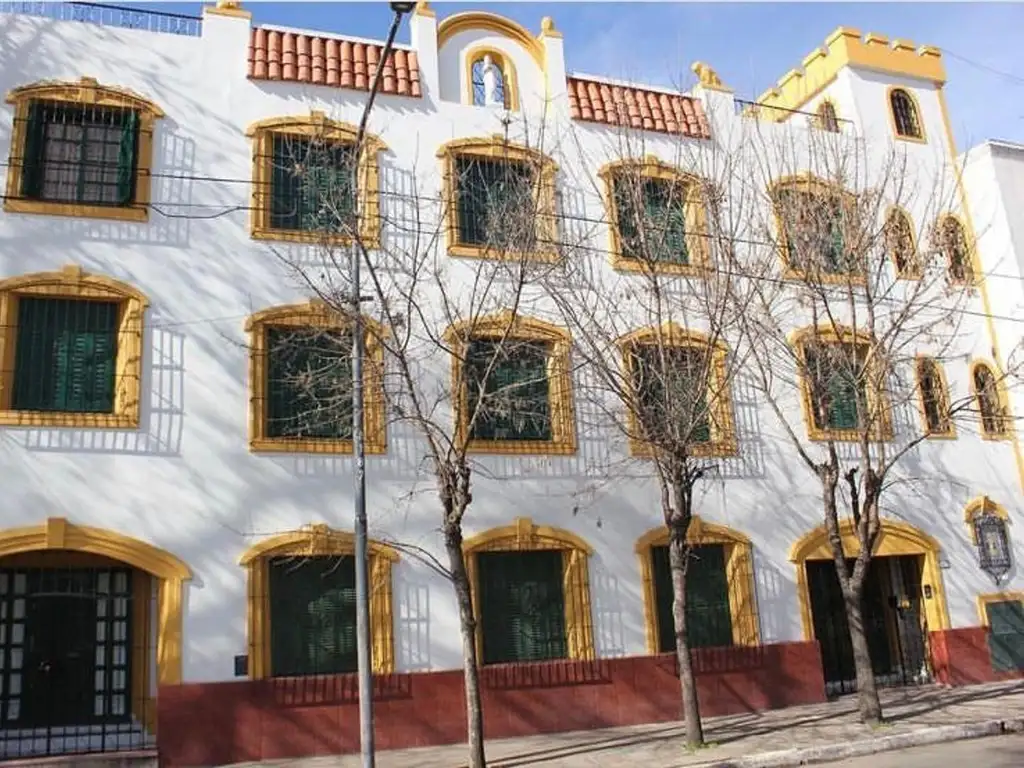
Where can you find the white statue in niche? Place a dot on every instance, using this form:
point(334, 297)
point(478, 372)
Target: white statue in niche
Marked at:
point(494, 92)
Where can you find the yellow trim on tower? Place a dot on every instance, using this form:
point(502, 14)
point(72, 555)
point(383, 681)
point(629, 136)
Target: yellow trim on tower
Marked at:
point(86, 92)
point(895, 538)
point(524, 536)
point(490, 22)
point(72, 283)
point(317, 541)
point(58, 534)
point(739, 568)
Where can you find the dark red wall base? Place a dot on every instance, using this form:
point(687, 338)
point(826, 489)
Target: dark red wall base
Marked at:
point(217, 723)
point(962, 657)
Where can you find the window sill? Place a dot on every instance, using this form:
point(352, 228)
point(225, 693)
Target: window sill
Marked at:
point(826, 278)
point(370, 240)
point(11, 418)
point(523, 447)
point(911, 139)
point(134, 213)
point(720, 449)
point(626, 264)
point(846, 435)
point(950, 435)
point(494, 254)
point(996, 437)
point(288, 445)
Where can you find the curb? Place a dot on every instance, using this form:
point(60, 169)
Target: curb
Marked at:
point(831, 752)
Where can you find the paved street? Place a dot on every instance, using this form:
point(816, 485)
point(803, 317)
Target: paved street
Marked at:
point(996, 752)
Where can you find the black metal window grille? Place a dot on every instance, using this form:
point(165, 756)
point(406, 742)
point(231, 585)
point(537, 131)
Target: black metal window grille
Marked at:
point(312, 615)
point(522, 606)
point(838, 392)
point(309, 383)
point(673, 391)
point(993, 545)
point(651, 217)
point(955, 247)
point(989, 403)
point(495, 203)
point(933, 397)
point(813, 230)
point(78, 154)
point(509, 390)
point(65, 661)
point(65, 355)
point(312, 188)
point(904, 114)
point(900, 238)
point(1006, 635)
point(708, 615)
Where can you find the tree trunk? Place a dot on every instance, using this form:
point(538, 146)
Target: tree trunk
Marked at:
point(867, 692)
point(677, 554)
point(467, 627)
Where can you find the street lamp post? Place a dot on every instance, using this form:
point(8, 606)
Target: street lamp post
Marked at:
point(363, 646)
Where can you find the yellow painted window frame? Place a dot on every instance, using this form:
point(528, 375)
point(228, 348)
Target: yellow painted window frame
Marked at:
point(810, 185)
point(918, 116)
point(695, 216)
point(508, 73)
point(525, 536)
point(895, 538)
point(723, 427)
point(313, 314)
point(1006, 418)
point(979, 506)
point(315, 125)
point(517, 328)
point(317, 540)
point(914, 270)
point(949, 433)
point(878, 403)
point(984, 600)
point(86, 92)
point(971, 268)
point(739, 570)
point(73, 283)
point(498, 148)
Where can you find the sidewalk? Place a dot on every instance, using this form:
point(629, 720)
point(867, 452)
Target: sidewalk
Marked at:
point(659, 746)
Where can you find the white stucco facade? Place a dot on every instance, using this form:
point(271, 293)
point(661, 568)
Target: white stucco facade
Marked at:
point(186, 481)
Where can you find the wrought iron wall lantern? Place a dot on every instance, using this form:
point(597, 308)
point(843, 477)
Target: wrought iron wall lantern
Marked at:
point(993, 545)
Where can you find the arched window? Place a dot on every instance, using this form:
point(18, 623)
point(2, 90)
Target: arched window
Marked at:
point(899, 241)
point(812, 217)
point(934, 398)
point(953, 243)
point(994, 423)
point(827, 120)
point(657, 217)
point(81, 149)
point(300, 379)
point(905, 115)
point(531, 593)
point(491, 77)
point(72, 346)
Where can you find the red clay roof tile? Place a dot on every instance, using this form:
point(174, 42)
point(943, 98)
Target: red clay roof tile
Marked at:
point(598, 102)
point(277, 55)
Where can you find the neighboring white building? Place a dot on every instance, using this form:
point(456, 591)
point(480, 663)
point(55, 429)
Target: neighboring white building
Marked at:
point(146, 497)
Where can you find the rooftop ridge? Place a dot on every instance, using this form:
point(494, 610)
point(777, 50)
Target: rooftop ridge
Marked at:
point(330, 36)
point(627, 84)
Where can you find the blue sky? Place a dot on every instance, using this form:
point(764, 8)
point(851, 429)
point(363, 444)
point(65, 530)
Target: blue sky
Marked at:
point(750, 44)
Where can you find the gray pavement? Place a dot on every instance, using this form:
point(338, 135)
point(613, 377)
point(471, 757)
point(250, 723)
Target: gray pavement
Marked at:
point(995, 752)
point(908, 711)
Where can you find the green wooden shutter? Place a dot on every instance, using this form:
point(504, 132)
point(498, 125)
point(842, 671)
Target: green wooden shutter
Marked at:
point(285, 206)
point(708, 615)
point(522, 606)
point(471, 193)
point(665, 210)
point(127, 158)
point(312, 615)
point(629, 240)
point(517, 401)
point(35, 148)
point(1006, 635)
point(65, 355)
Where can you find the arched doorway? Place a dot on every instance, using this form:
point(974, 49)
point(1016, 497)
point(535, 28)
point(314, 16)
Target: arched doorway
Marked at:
point(904, 600)
point(88, 619)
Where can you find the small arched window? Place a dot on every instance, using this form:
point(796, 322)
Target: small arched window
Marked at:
point(990, 404)
point(934, 402)
point(827, 120)
point(899, 242)
point(953, 243)
point(904, 114)
point(492, 79)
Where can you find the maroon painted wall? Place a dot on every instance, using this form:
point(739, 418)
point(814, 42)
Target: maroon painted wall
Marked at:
point(962, 657)
point(217, 723)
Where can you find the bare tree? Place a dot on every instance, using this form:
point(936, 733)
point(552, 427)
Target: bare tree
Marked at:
point(653, 336)
point(851, 312)
point(450, 284)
